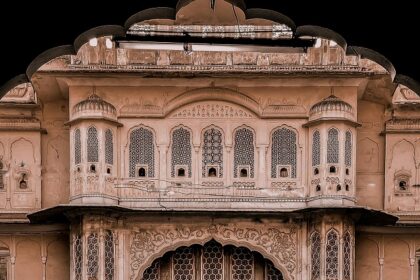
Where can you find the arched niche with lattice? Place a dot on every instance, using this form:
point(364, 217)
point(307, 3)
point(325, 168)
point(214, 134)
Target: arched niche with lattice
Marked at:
point(216, 262)
point(243, 153)
point(284, 153)
point(333, 146)
point(315, 247)
point(142, 153)
point(332, 245)
point(92, 145)
point(181, 153)
point(212, 153)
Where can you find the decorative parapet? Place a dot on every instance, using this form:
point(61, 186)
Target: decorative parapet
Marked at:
point(402, 126)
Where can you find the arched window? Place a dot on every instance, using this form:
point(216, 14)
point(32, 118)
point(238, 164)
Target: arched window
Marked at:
point(283, 151)
point(333, 149)
point(243, 152)
point(109, 147)
point(142, 152)
point(347, 256)
point(92, 145)
point(77, 257)
point(316, 149)
point(315, 256)
point(92, 256)
point(109, 255)
point(212, 151)
point(77, 147)
point(331, 255)
point(181, 152)
point(348, 149)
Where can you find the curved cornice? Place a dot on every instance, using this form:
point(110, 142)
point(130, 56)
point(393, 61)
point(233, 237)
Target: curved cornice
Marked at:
point(12, 83)
point(170, 13)
point(375, 57)
point(149, 14)
point(408, 82)
point(47, 56)
point(237, 3)
point(270, 15)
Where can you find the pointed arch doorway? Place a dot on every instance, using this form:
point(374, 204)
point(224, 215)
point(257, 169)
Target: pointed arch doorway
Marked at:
point(212, 261)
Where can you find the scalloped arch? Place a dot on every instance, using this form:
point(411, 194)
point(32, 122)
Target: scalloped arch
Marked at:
point(202, 241)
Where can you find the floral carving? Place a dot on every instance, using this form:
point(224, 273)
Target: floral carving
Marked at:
point(277, 243)
point(212, 110)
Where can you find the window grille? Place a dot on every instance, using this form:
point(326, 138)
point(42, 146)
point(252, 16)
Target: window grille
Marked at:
point(92, 256)
point(347, 256)
point(212, 150)
point(109, 147)
point(283, 151)
point(333, 149)
point(77, 147)
point(331, 255)
point(78, 257)
point(181, 150)
point(183, 264)
point(243, 151)
point(316, 149)
point(92, 145)
point(242, 264)
point(348, 149)
point(315, 256)
point(109, 255)
point(142, 151)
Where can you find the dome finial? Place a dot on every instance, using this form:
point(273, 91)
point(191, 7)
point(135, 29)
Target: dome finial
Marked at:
point(93, 95)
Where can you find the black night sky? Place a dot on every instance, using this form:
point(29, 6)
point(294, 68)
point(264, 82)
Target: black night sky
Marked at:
point(27, 29)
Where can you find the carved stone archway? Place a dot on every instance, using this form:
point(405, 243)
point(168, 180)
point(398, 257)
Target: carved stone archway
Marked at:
point(275, 243)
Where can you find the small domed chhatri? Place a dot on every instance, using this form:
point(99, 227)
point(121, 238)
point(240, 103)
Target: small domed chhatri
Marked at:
point(94, 107)
point(331, 107)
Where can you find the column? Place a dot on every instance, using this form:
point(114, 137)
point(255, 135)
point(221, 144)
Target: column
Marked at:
point(12, 272)
point(101, 253)
point(227, 166)
point(163, 151)
point(196, 165)
point(412, 263)
point(44, 267)
point(119, 256)
point(262, 174)
point(381, 268)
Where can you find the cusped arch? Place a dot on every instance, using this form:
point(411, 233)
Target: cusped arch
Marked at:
point(212, 94)
point(407, 147)
point(23, 141)
point(139, 268)
point(153, 155)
